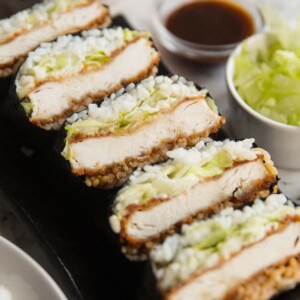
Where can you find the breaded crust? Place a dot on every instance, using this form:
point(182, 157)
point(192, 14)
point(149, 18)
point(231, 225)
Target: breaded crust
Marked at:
point(117, 173)
point(8, 70)
point(267, 283)
point(102, 21)
point(140, 249)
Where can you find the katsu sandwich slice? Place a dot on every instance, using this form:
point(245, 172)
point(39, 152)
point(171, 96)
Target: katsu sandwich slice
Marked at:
point(248, 254)
point(64, 76)
point(44, 22)
point(193, 183)
point(137, 126)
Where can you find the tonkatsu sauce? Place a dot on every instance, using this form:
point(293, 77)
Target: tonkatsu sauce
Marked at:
point(211, 22)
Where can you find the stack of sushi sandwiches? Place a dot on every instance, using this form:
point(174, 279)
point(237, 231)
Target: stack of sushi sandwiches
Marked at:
point(206, 213)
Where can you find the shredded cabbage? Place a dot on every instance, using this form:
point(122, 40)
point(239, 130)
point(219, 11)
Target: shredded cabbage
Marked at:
point(51, 66)
point(174, 177)
point(216, 235)
point(269, 79)
point(130, 35)
point(28, 107)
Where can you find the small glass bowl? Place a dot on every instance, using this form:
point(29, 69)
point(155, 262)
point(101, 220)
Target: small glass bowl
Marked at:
point(194, 51)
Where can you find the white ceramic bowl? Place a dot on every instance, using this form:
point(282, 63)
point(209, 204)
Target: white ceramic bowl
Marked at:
point(281, 140)
point(23, 277)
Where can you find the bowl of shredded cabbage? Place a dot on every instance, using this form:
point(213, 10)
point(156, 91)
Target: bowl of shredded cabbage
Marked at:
point(263, 79)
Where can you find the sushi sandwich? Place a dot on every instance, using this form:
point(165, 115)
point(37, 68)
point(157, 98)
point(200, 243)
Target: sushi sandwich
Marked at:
point(62, 77)
point(247, 254)
point(193, 184)
point(137, 126)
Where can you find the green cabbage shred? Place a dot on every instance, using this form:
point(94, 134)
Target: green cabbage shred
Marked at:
point(28, 107)
point(269, 79)
point(176, 177)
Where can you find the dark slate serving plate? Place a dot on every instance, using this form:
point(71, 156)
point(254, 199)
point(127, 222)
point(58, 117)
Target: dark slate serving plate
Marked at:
point(70, 222)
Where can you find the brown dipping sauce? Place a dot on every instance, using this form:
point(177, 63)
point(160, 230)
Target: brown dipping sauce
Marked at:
point(211, 22)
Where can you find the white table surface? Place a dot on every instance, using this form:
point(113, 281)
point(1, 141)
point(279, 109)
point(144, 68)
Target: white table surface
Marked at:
point(139, 13)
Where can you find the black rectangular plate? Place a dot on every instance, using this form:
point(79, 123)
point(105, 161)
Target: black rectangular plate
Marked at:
point(70, 221)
